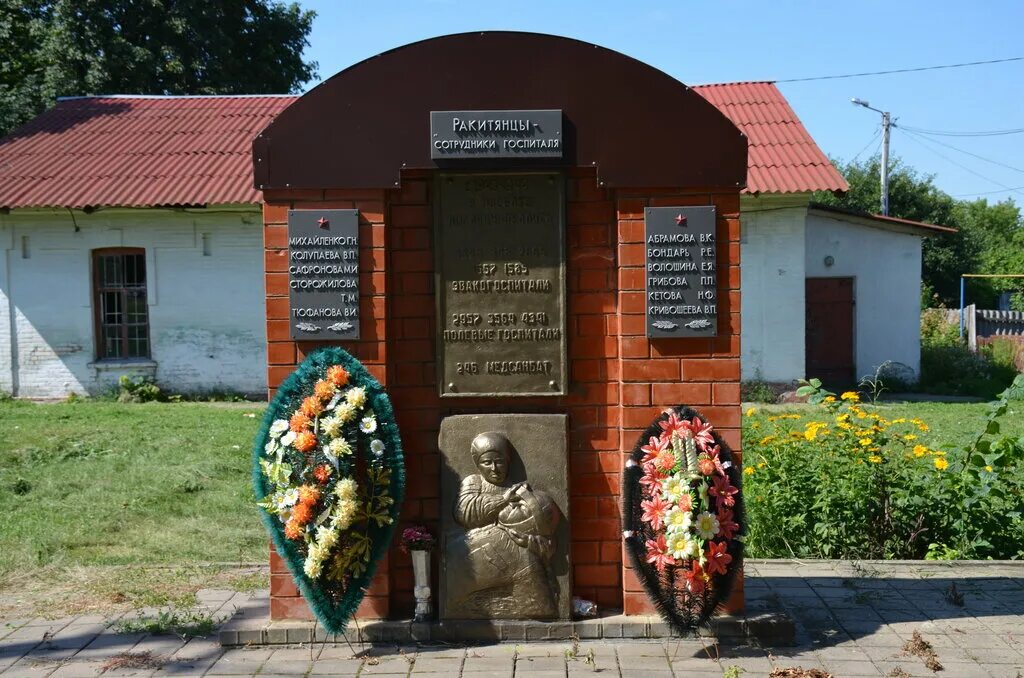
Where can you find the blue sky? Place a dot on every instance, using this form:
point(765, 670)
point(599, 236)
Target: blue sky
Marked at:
point(702, 42)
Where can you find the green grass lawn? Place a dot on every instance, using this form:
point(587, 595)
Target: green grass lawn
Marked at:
point(89, 487)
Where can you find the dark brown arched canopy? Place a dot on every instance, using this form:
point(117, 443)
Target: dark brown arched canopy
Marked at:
point(635, 124)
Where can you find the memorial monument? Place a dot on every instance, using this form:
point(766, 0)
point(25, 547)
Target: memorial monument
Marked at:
point(535, 252)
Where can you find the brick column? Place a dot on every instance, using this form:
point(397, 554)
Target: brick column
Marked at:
point(658, 373)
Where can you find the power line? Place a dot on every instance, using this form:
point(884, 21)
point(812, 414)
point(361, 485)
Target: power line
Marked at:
point(943, 133)
point(878, 131)
point(919, 141)
point(1001, 190)
point(903, 70)
point(973, 155)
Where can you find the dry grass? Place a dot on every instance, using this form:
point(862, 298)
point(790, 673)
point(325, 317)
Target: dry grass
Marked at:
point(134, 660)
point(55, 591)
point(923, 650)
point(799, 672)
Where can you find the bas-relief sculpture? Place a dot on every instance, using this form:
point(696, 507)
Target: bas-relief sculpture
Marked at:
point(506, 544)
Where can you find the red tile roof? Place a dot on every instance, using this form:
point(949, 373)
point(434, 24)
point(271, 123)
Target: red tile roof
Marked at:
point(139, 151)
point(782, 157)
point(136, 152)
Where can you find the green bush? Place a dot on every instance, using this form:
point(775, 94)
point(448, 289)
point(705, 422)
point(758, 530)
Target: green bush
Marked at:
point(758, 391)
point(948, 366)
point(138, 390)
point(853, 484)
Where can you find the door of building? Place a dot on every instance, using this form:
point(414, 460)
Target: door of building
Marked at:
point(830, 323)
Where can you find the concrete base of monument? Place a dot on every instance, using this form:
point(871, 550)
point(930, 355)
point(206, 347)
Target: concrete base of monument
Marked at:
point(768, 628)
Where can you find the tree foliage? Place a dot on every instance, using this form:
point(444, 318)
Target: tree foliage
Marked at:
point(52, 48)
point(989, 239)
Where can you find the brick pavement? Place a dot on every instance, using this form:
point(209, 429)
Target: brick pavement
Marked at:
point(852, 620)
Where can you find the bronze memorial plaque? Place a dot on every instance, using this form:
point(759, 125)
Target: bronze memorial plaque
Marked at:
point(501, 284)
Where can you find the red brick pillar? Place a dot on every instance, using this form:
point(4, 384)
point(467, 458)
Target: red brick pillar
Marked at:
point(283, 354)
point(658, 373)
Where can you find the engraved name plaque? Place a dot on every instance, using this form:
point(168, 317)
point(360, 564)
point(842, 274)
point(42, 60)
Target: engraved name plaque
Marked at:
point(501, 284)
point(681, 275)
point(323, 274)
point(458, 135)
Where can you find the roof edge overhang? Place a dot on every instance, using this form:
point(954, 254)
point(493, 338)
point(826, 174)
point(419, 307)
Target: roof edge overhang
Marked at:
point(880, 221)
point(636, 125)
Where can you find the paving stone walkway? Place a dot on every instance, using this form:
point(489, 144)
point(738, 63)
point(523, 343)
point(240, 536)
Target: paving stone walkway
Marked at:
point(852, 620)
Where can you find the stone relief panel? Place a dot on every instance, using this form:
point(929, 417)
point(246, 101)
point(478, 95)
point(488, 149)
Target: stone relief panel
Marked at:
point(505, 529)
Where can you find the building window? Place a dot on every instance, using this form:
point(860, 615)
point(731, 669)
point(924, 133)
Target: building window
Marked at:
point(119, 292)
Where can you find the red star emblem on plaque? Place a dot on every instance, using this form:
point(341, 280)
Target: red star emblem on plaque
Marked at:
point(323, 222)
point(680, 220)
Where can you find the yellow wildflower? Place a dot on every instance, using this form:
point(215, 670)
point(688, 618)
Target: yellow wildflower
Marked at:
point(875, 459)
point(938, 453)
point(772, 418)
point(941, 464)
point(901, 420)
point(845, 416)
point(761, 465)
point(989, 469)
point(766, 440)
point(910, 436)
point(843, 425)
point(920, 450)
point(864, 442)
point(851, 396)
point(830, 399)
point(755, 424)
point(749, 471)
point(751, 411)
point(923, 427)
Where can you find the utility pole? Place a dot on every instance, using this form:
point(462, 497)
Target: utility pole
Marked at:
point(885, 162)
point(886, 126)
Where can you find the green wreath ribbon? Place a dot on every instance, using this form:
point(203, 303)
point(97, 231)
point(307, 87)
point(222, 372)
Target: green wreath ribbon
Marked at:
point(335, 593)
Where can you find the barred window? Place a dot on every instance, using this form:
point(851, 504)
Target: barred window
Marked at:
point(119, 292)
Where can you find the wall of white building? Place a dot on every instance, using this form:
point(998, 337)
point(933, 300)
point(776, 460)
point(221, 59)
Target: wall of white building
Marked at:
point(886, 266)
point(204, 287)
point(772, 284)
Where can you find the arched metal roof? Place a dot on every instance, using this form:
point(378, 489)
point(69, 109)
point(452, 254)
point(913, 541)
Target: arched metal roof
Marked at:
point(638, 126)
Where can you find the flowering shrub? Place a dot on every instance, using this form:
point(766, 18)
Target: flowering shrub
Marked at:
point(329, 480)
point(852, 483)
point(417, 538)
point(683, 516)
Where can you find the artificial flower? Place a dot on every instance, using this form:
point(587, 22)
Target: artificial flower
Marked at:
point(339, 447)
point(309, 494)
point(293, 530)
point(305, 441)
point(654, 511)
point(337, 375)
point(272, 446)
point(322, 473)
point(717, 558)
point(377, 447)
point(324, 390)
point(696, 580)
point(677, 520)
point(707, 526)
point(653, 448)
point(356, 397)
point(288, 438)
point(686, 501)
point(345, 412)
point(289, 498)
point(674, 487)
point(652, 479)
point(301, 514)
point(723, 491)
point(680, 546)
point(368, 425)
point(312, 407)
point(299, 422)
point(657, 553)
point(346, 488)
point(278, 428)
point(727, 525)
point(331, 426)
point(706, 465)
